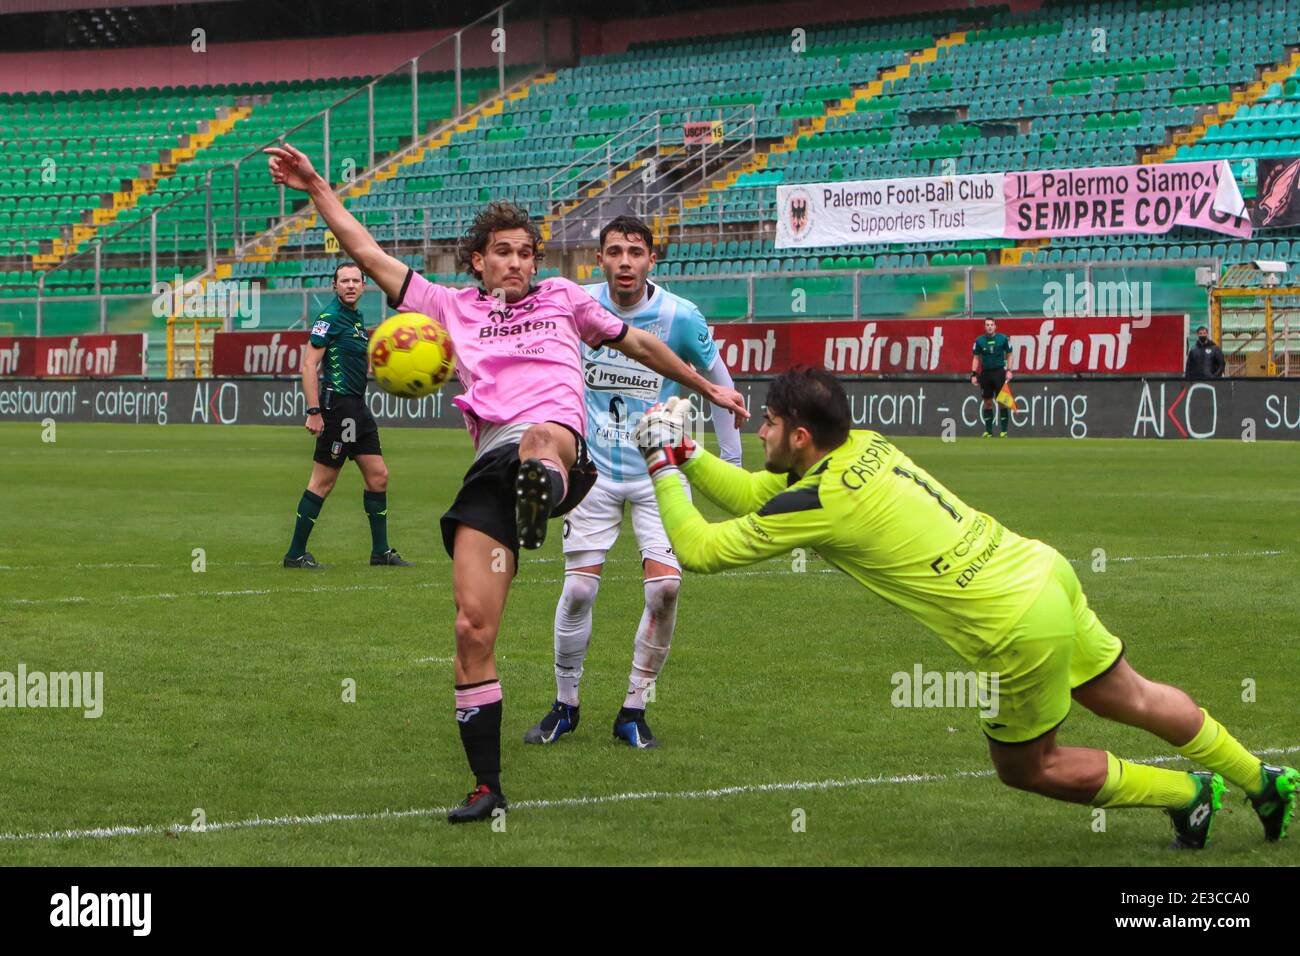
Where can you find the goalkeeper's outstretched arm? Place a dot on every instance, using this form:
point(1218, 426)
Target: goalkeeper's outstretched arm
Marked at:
point(774, 529)
point(776, 520)
point(732, 488)
point(291, 167)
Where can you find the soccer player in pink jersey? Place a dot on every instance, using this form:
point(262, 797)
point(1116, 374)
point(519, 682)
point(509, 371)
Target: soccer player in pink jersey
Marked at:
point(517, 349)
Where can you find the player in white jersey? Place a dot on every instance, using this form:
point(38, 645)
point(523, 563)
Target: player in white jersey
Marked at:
point(619, 391)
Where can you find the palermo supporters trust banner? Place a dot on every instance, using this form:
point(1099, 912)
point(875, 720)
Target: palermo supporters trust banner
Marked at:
point(924, 209)
point(1105, 200)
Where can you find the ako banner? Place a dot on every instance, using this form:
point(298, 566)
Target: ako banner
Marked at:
point(1044, 407)
point(258, 353)
point(73, 356)
point(1105, 200)
point(1101, 346)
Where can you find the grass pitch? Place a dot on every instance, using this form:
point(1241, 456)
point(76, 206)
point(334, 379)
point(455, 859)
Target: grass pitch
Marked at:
point(223, 688)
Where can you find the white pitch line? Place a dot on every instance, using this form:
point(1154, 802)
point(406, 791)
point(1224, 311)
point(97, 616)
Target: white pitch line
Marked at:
point(180, 564)
point(316, 819)
point(169, 596)
point(245, 592)
point(183, 564)
point(1188, 557)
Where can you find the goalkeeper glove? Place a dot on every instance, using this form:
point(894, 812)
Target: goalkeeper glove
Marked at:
point(661, 436)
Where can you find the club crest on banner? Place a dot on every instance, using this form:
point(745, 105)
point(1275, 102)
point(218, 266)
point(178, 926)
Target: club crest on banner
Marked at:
point(798, 212)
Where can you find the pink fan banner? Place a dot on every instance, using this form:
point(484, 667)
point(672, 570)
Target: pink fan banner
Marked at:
point(1115, 200)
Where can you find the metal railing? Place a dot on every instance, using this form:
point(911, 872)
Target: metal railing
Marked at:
point(658, 166)
point(194, 243)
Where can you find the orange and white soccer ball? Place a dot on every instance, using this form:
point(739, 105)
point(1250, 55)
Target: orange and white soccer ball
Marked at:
point(411, 355)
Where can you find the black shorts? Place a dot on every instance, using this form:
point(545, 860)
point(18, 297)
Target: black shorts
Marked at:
point(486, 500)
point(338, 410)
point(991, 381)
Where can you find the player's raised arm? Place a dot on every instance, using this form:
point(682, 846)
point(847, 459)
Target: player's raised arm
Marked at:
point(691, 338)
point(728, 431)
point(647, 349)
point(291, 167)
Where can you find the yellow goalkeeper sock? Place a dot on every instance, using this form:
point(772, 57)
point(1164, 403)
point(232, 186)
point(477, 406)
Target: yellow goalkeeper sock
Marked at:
point(1138, 785)
point(1215, 748)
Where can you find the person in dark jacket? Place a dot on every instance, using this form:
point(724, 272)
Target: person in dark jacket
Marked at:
point(1204, 359)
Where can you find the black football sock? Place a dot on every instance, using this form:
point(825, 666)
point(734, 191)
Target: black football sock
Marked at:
point(556, 478)
point(1004, 419)
point(557, 485)
point(478, 713)
point(309, 506)
point(376, 504)
point(988, 420)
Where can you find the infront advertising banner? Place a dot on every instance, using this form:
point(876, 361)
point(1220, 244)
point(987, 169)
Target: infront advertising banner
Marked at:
point(1128, 345)
point(73, 356)
point(258, 353)
point(1125, 345)
point(1045, 407)
point(1097, 201)
point(18, 356)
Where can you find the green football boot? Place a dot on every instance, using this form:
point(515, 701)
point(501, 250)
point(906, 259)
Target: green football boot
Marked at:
point(1277, 802)
point(1192, 822)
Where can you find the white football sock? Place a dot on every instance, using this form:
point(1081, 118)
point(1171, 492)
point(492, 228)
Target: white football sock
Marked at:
point(653, 638)
point(573, 632)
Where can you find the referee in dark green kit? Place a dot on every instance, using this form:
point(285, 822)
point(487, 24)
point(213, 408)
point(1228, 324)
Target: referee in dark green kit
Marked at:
point(334, 368)
point(989, 371)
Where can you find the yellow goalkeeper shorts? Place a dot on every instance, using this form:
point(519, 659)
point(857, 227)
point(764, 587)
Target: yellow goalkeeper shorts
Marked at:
point(1056, 646)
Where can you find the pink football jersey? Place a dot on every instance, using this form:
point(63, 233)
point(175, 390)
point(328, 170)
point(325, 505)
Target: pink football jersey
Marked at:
point(518, 361)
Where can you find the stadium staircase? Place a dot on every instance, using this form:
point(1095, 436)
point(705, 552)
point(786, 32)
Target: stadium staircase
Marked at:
point(1225, 112)
point(265, 248)
point(858, 99)
point(105, 217)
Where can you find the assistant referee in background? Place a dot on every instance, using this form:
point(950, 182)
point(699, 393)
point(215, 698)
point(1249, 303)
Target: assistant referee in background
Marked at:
point(334, 368)
point(989, 371)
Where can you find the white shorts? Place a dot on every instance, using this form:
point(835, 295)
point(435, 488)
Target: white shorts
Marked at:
point(591, 529)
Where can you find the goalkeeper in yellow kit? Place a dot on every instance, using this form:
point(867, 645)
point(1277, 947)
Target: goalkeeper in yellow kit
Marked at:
point(1008, 605)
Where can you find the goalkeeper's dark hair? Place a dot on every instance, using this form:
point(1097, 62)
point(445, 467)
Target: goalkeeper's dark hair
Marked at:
point(494, 217)
point(812, 398)
point(628, 226)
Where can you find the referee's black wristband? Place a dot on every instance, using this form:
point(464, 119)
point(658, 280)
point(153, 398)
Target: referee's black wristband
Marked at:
point(314, 410)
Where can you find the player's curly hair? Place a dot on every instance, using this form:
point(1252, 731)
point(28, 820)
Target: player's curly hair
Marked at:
point(495, 216)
